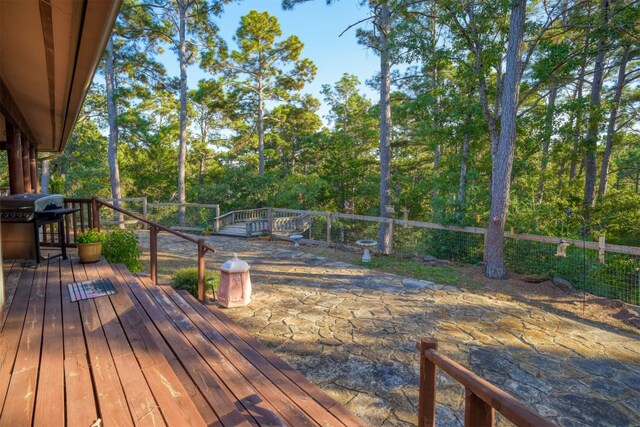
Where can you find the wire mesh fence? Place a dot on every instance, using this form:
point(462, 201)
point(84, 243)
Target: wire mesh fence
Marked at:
point(605, 270)
point(196, 216)
point(618, 277)
point(136, 205)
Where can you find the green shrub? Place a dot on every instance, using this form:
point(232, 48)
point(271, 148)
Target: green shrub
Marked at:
point(121, 246)
point(91, 236)
point(187, 278)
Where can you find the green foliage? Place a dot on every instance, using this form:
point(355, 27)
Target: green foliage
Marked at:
point(187, 278)
point(92, 235)
point(121, 246)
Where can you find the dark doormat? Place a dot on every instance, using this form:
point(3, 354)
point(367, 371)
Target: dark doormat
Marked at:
point(90, 289)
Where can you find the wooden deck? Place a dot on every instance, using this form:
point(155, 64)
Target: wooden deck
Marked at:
point(146, 356)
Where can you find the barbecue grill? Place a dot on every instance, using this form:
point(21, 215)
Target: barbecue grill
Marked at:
point(22, 215)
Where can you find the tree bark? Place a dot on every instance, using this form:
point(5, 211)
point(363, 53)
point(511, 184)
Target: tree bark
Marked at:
point(384, 25)
point(502, 162)
point(182, 150)
point(436, 114)
point(595, 115)
point(462, 184)
point(260, 130)
point(112, 117)
point(546, 141)
point(611, 126)
point(577, 126)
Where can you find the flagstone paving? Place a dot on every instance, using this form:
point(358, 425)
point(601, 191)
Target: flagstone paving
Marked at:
point(352, 331)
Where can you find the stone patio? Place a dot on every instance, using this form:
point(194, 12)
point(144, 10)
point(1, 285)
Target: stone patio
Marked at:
point(352, 331)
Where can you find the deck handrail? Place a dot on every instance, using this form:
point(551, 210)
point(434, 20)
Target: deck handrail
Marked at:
point(154, 229)
point(273, 223)
point(481, 397)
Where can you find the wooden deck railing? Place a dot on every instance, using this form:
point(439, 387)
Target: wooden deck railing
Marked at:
point(256, 220)
point(482, 398)
point(154, 230)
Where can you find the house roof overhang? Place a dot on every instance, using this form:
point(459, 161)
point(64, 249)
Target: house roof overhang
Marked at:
point(49, 51)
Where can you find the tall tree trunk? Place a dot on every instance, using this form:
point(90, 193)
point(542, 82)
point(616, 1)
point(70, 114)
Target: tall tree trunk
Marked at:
point(611, 126)
point(490, 118)
point(112, 113)
point(462, 185)
point(502, 162)
point(260, 130)
point(293, 155)
point(201, 170)
point(182, 150)
point(384, 21)
point(436, 114)
point(561, 169)
point(595, 115)
point(546, 140)
point(45, 176)
point(577, 126)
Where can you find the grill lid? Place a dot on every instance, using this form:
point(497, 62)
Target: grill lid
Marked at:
point(31, 202)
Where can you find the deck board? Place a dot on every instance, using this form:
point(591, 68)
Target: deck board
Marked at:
point(11, 333)
point(207, 382)
point(145, 356)
point(20, 400)
point(177, 408)
point(51, 373)
point(142, 403)
point(80, 402)
point(229, 378)
point(201, 404)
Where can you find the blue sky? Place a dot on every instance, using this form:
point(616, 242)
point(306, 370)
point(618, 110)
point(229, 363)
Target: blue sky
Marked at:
point(318, 26)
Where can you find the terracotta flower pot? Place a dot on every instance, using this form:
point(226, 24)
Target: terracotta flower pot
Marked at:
point(89, 252)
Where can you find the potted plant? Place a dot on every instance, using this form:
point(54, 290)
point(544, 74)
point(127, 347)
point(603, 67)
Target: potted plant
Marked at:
point(208, 231)
point(90, 245)
point(265, 234)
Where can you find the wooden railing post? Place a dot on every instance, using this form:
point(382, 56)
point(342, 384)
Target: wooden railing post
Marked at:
point(153, 253)
point(95, 213)
point(270, 220)
point(602, 245)
point(201, 276)
point(427, 391)
point(329, 228)
point(477, 413)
